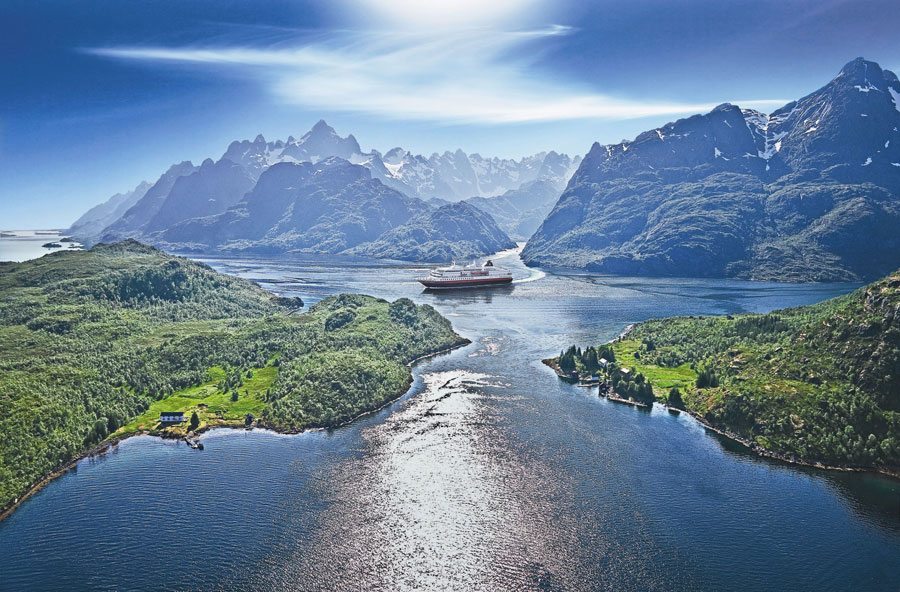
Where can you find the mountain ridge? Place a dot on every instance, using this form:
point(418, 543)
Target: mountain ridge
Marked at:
point(737, 193)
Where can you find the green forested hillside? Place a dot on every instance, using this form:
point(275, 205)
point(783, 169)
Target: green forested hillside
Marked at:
point(89, 340)
point(816, 383)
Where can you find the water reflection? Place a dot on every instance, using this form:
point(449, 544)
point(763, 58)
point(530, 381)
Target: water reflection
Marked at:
point(872, 496)
point(482, 295)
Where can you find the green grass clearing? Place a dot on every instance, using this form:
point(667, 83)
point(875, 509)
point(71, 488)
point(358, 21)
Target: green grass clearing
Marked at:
point(212, 404)
point(663, 379)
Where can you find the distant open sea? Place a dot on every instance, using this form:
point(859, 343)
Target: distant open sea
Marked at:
point(28, 244)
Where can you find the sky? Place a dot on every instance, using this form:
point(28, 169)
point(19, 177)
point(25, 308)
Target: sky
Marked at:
point(98, 95)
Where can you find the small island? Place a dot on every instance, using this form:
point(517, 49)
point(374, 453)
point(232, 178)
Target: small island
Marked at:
point(95, 345)
point(816, 385)
point(52, 246)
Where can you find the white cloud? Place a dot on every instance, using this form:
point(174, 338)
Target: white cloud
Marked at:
point(442, 75)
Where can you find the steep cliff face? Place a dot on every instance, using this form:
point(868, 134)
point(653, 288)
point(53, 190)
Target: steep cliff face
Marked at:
point(212, 189)
point(135, 219)
point(808, 192)
point(92, 222)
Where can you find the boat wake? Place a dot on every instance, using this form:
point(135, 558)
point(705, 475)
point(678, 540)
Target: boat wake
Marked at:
point(536, 274)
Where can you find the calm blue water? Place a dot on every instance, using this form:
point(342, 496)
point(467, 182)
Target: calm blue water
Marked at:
point(489, 475)
point(21, 245)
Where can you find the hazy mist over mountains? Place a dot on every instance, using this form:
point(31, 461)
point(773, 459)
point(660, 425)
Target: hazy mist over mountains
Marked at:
point(217, 206)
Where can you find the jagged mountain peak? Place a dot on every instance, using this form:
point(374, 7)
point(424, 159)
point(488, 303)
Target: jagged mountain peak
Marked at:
point(320, 142)
point(859, 70)
point(395, 155)
point(453, 175)
point(736, 192)
point(320, 129)
point(183, 165)
point(859, 80)
point(725, 107)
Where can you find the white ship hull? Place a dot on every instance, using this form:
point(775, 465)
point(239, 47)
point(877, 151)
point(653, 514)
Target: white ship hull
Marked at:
point(463, 277)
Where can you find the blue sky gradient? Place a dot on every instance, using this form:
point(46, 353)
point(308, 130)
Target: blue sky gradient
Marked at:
point(99, 95)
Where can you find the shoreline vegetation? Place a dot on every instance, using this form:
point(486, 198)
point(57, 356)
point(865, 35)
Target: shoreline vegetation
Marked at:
point(95, 344)
point(113, 441)
point(815, 386)
point(745, 442)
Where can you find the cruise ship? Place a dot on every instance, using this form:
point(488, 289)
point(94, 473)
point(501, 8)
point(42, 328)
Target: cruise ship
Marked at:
point(466, 276)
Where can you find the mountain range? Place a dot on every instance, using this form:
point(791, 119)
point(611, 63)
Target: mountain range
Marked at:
point(333, 206)
point(219, 205)
point(806, 193)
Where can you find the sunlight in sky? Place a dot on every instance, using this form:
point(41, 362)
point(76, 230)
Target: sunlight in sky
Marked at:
point(442, 14)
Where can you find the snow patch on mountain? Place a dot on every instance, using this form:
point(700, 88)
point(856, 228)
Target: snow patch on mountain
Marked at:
point(895, 96)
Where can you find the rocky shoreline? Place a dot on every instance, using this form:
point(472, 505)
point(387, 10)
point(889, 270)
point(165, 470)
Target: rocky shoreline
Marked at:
point(191, 438)
point(746, 442)
point(766, 453)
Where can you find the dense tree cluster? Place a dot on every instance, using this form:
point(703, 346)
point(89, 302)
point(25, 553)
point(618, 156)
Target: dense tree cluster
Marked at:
point(632, 386)
point(586, 361)
point(706, 378)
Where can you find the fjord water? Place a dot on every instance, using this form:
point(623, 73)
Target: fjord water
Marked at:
point(490, 474)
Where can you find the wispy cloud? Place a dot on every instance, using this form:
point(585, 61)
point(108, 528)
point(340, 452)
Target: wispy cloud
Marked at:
point(455, 76)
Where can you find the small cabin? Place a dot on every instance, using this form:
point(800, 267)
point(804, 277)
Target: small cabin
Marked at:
point(171, 417)
point(625, 371)
point(603, 363)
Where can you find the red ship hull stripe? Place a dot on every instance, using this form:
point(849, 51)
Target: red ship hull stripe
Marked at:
point(438, 284)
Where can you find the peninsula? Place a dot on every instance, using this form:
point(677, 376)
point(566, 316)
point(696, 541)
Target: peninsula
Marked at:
point(95, 344)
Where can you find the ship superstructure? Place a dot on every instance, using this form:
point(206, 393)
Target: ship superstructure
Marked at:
point(466, 276)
